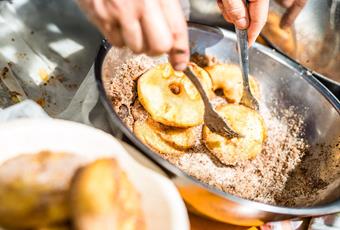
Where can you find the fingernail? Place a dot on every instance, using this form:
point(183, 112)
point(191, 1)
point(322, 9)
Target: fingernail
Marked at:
point(180, 66)
point(241, 23)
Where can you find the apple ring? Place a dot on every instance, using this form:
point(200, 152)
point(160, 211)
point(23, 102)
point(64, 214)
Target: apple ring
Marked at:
point(228, 77)
point(244, 121)
point(171, 98)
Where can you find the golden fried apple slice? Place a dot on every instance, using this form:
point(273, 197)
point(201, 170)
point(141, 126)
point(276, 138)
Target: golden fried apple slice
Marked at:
point(244, 121)
point(147, 134)
point(170, 97)
point(228, 77)
point(180, 138)
point(103, 198)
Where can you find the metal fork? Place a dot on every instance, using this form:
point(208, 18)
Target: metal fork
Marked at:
point(211, 118)
point(247, 98)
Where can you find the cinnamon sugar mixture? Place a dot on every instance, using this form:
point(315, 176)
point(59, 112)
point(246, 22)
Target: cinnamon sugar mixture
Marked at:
point(262, 179)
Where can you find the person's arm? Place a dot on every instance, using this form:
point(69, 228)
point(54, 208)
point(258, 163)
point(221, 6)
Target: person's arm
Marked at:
point(294, 7)
point(253, 18)
point(153, 27)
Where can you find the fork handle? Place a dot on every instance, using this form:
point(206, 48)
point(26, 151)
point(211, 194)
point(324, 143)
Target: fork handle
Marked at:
point(191, 75)
point(242, 45)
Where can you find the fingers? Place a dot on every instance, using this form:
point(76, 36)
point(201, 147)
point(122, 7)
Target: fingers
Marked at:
point(179, 53)
point(102, 10)
point(124, 20)
point(113, 35)
point(236, 12)
point(153, 26)
point(286, 3)
point(131, 28)
point(224, 13)
point(258, 12)
point(133, 35)
point(292, 13)
point(253, 18)
point(110, 29)
point(102, 15)
point(155, 29)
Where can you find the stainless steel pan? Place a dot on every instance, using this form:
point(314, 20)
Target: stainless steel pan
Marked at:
point(280, 79)
point(317, 35)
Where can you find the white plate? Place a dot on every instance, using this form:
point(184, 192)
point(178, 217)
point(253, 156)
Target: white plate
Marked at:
point(161, 202)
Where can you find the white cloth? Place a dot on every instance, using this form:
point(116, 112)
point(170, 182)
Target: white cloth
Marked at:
point(48, 47)
point(25, 109)
point(83, 102)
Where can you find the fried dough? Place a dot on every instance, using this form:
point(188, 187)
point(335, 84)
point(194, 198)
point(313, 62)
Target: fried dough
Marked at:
point(171, 98)
point(103, 198)
point(228, 77)
point(34, 189)
point(148, 135)
point(244, 121)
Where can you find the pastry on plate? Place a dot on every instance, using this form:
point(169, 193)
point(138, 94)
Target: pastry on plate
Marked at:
point(103, 198)
point(34, 189)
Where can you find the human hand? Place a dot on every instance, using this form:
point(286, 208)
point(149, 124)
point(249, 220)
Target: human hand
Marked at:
point(253, 18)
point(294, 7)
point(153, 27)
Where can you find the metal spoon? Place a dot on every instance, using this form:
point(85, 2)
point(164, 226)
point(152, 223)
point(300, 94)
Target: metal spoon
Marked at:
point(247, 98)
point(211, 118)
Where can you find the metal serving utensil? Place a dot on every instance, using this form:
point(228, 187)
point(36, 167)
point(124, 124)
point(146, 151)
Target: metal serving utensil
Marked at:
point(242, 47)
point(247, 98)
point(211, 118)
